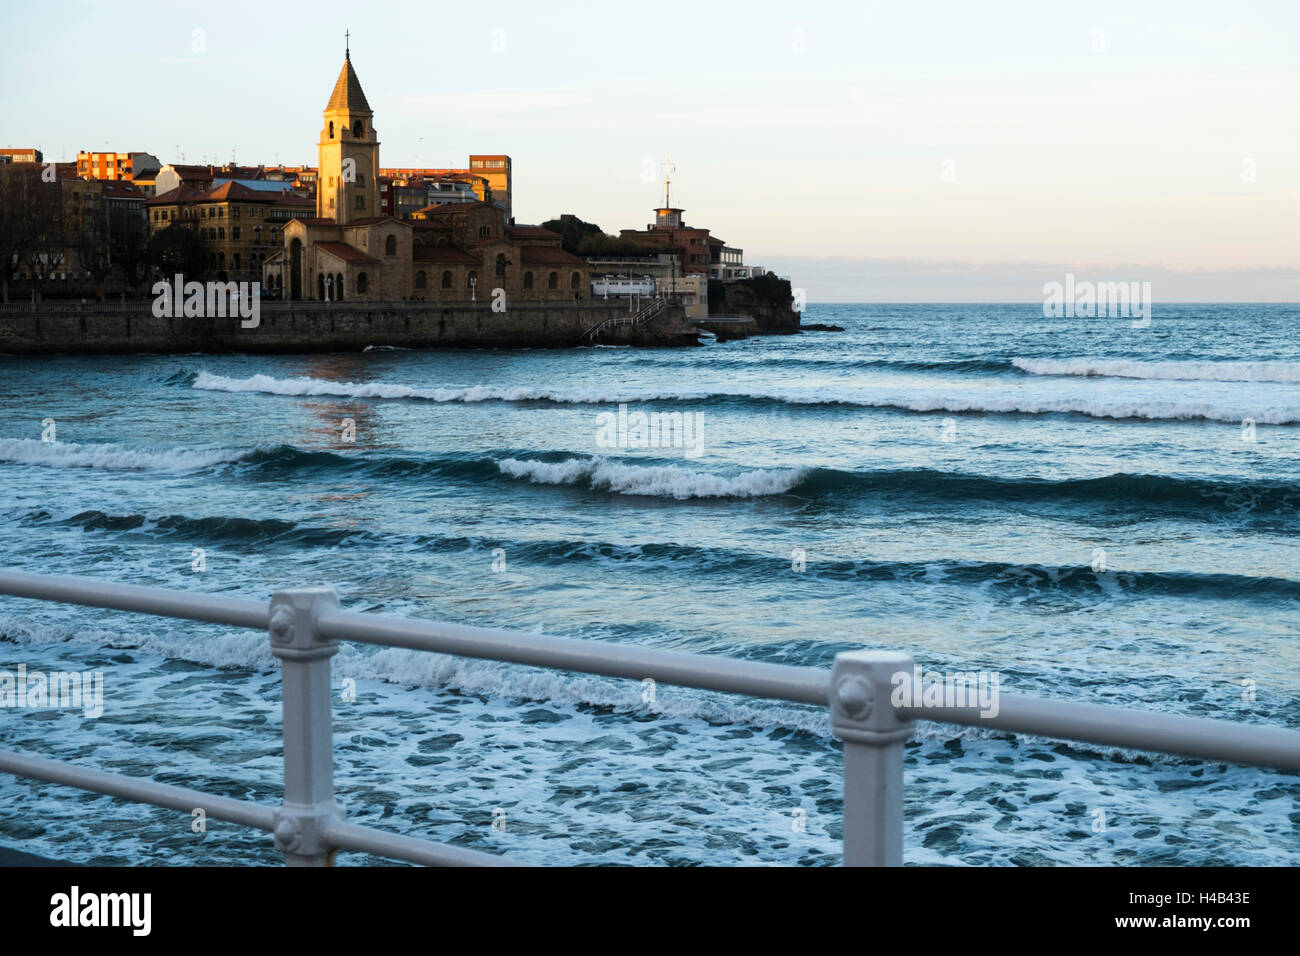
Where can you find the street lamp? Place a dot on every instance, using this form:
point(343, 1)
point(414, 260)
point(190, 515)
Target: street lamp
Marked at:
point(473, 288)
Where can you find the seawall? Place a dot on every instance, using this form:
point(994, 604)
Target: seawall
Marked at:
point(290, 327)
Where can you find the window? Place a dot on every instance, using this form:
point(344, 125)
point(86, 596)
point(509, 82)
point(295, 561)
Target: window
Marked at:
point(221, 230)
point(501, 265)
point(361, 202)
point(356, 129)
point(234, 232)
point(361, 283)
point(528, 280)
point(331, 202)
point(574, 280)
point(553, 281)
point(446, 280)
point(257, 234)
point(421, 282)
point(331, 131)
point(236, 261)
point(361, 179)
point(390, 246)
point(485, 232)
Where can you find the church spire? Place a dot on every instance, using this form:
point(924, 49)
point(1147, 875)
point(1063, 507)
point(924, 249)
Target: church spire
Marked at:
point(347, 93)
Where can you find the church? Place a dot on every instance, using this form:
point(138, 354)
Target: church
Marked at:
point(450, 252)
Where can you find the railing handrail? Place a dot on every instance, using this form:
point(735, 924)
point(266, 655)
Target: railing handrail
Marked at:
point(305, 624)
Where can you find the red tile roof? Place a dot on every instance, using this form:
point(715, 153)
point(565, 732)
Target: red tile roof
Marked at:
point(188, 192)
point(548, 256)
point(531, 232)
point(120, 189)
point(448, 255)
point(341, 250)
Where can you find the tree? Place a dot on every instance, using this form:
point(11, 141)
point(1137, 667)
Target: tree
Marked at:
point(128, 240)
point(17, 220)
point(572, 231)
point(47, 247)
point(178, 248)
point(86, 223)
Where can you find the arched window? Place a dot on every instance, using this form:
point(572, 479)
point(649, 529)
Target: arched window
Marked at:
point(236, 261)
point(471, 279)
point(221, 259)
point(338, 286)
point(390, 246)
point(501, 264)
point(361, 283)
point(421, 282)
point(356, 129)
point(553, 281)
point(528, 280)
point(331, 129)
point(446, 279)
point(257, 234)
point(574, 280)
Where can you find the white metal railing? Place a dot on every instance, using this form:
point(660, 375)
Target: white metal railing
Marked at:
point(634, 319)
point(305, 625)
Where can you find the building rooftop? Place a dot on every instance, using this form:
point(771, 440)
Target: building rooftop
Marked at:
point(341, 250)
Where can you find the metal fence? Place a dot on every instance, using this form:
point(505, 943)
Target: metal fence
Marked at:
point(305, 626)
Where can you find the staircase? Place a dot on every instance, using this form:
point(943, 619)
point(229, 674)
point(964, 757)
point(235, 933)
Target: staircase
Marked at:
point(633, 319)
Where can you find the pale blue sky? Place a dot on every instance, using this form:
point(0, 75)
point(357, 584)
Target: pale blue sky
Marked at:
point(979, 145)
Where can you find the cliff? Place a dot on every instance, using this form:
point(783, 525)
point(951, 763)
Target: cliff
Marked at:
point(768, 300)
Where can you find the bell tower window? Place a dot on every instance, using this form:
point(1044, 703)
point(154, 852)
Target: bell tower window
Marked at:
point(331, 129)
point(356, 130)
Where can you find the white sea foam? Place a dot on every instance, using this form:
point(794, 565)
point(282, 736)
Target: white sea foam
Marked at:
point(1281, 372)
point(30, 451)
point(1013, 400)
point(661, 481)
point(471, 393)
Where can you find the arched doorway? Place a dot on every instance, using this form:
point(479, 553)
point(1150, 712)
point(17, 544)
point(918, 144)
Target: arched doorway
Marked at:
point(295, 269)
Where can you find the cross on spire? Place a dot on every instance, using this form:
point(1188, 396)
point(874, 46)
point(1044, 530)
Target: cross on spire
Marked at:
point(347, 44)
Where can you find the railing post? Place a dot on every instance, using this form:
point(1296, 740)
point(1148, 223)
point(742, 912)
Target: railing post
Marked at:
point(863, 716)
point(308, 736)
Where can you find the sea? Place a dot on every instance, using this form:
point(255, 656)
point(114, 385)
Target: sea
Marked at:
point(1091, 509)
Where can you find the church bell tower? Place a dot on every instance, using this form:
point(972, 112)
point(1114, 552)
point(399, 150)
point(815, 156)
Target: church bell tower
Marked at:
point(347, 183)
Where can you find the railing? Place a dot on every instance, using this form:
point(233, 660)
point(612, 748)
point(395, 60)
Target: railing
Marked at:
point(305, 625)
point(634, 319)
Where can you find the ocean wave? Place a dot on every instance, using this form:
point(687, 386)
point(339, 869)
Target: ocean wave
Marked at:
point(304, 386)
point(825, 560)
point(30, 451)
point(1197, 371)
point(661, 481)
point(835, 394)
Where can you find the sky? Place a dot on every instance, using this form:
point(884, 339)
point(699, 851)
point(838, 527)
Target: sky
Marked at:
point(881, 151)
